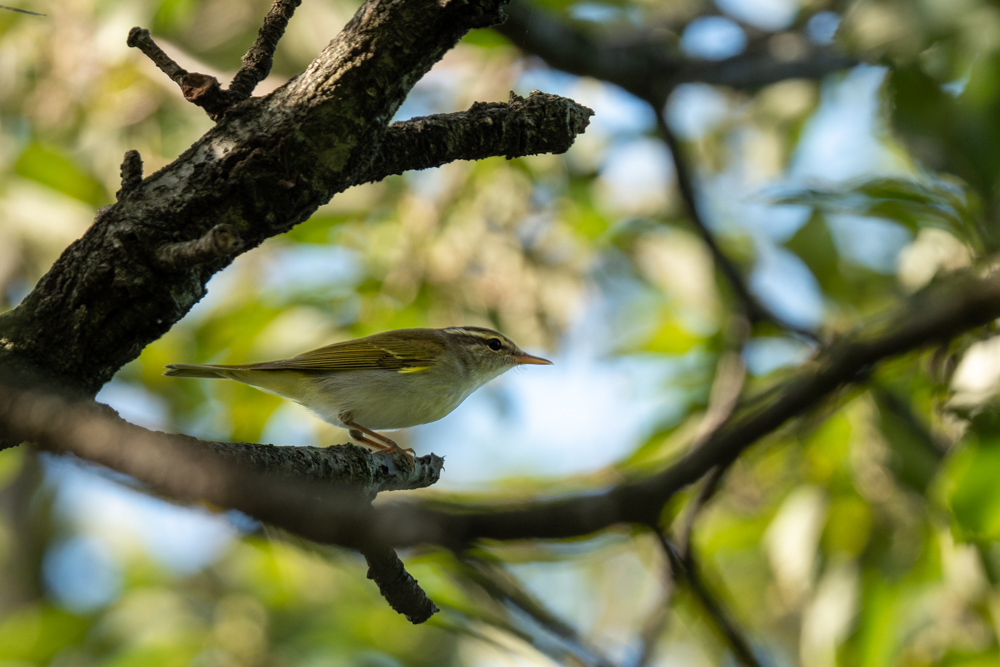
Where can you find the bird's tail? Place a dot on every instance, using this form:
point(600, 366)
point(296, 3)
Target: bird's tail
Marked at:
point(196, 371)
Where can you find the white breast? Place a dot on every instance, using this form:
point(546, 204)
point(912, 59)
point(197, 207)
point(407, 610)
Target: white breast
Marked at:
point(384, 400)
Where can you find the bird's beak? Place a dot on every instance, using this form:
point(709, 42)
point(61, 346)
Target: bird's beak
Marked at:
point(525, 358)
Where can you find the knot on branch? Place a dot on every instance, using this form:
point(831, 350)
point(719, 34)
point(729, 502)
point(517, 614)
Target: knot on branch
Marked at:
point(131, 174)
point(220, 241)
point(205, 91)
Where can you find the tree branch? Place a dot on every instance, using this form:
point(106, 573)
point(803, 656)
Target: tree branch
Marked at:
point(234, 474)
point(730, 379)
point(52, 421)
point(930, 317)
point(489, 576)
point(326, 515)
point(643, 63)
point(540, 123)
point(646, 64)
point(205, 90)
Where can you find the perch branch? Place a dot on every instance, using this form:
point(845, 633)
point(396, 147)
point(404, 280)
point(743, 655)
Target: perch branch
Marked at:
point(95, 433)
point(238, 475)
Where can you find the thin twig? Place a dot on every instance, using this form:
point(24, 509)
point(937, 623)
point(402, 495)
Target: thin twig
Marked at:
point(730, 378)
point(259, 57)
point(754, 309)
point(200, 89)
point(205, 90)
point(139, 38)
point(499, 584)
point(685, 566)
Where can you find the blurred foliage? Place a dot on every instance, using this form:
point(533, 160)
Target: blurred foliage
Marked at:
point(863, 534)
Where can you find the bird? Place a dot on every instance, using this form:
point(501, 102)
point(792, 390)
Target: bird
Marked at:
point(386, 381)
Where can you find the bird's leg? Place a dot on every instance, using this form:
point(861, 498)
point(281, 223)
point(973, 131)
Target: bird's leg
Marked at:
point(381, 442)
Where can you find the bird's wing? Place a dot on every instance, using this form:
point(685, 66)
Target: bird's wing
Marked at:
point(360, 354)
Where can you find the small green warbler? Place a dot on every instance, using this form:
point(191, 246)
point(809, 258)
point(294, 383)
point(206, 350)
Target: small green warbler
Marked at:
point(389, 380)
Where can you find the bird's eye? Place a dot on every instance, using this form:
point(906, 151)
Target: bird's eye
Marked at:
point(494, 344)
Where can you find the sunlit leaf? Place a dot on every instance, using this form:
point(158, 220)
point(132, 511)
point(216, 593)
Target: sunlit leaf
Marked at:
point(53, 168)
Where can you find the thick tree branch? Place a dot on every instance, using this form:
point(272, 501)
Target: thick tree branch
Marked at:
point(51, 420)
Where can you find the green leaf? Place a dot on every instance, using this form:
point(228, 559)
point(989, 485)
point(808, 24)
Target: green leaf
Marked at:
point(52, 168)
point(671, 338)
point(973, 494)
point(813, 244)
point(915, 204)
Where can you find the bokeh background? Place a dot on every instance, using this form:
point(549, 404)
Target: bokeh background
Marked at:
point(859, 535)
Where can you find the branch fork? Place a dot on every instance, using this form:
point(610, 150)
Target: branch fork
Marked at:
point(204, 90)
